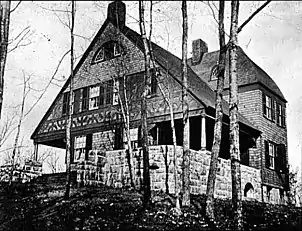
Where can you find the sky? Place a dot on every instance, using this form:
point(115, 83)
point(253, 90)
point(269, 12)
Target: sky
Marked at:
point(272, 40)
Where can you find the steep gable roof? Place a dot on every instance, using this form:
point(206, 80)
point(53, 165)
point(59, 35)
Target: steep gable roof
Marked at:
point(197, 86)
point(248, 72)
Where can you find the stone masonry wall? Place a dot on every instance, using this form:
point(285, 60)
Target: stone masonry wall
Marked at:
point(114, 171)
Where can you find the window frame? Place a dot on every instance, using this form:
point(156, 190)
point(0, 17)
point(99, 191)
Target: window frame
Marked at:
point(280, 115)
point(94, 99)
point(110, 50)
point(79, 146)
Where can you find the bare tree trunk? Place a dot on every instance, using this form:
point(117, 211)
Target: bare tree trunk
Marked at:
point(220, 72)
point(126, 117)
point(185, 110)
point(4, 30)
point(147, 83)
point(18, 131)
point(168, 101)
point(69, 120)
point(234, 126)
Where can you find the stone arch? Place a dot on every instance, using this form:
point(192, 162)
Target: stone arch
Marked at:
point(248, 190)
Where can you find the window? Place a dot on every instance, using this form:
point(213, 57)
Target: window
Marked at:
point(214, 73)
point(100, 56)
point(65, 103)
point(79, 148)
point(109, 50)
point(94, 93)
point(115, 93)
point(270, 149)
point(280, 115)
point(116, 49)
point(275, 156)
point(106, 93)
point(268, 107)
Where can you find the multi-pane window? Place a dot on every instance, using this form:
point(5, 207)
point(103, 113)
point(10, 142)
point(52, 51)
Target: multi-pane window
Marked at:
point(275, 156)
point(94, 93)
point(100, 56)
point(268, 107)
point(79, 148)
point(271, 153)
point(115, 93)
point(108, 50)
point(280, 115)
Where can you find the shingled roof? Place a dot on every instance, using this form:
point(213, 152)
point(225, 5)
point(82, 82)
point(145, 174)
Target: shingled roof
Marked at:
point(199, 88)
point(248, 72)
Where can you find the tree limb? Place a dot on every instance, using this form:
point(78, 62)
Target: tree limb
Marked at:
point(252, 16)
point(15, 7)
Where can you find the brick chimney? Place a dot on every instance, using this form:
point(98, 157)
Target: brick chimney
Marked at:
point(116, 13)
point(199, 47)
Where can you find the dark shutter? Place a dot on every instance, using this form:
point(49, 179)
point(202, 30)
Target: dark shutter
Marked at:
point(118, 137)
point(278, 158)
point(109, 92)
point(273, 110)
point(153, 82)
point(140, 136)
point(283, 161)
point(266, 151)
point(77, 99)
point(88, 145)
point(264, 103)
point(283, 116)
point(278, 113)
point(72, 149)
point(85, 99)
point(65, 103)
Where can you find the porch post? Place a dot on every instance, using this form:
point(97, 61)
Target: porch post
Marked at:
point(203, 131)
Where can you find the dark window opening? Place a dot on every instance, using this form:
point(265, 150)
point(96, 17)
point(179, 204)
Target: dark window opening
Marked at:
point(108, 50)
point(65, 103)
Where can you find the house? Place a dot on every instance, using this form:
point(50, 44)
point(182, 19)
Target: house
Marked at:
point(110, 74)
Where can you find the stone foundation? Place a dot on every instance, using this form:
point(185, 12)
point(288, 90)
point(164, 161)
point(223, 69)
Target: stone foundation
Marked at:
point(111, 168)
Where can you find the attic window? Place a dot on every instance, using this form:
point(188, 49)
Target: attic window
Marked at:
point(107, 51)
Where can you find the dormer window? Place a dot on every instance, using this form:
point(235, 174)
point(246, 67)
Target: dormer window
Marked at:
point(107, 51)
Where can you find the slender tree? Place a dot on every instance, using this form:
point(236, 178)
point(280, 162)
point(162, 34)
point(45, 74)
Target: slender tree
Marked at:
point(185, 110)
point(26, 90)
point(147, 84)
point(234, 126)
point(4, 30)
point(219, 71)
point(70, 106)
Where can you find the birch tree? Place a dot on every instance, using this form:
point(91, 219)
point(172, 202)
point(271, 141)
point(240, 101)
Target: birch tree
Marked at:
point(234, 126)
point(69, 119)
point(185, 110)
point(26, 90)
point(220, 72)
point(4, 30)
point(166, 94)
point(146, 90)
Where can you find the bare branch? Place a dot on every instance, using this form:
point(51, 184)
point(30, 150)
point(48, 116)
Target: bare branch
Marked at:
point(252, 16)
point(50, 81)
point(15, 7)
